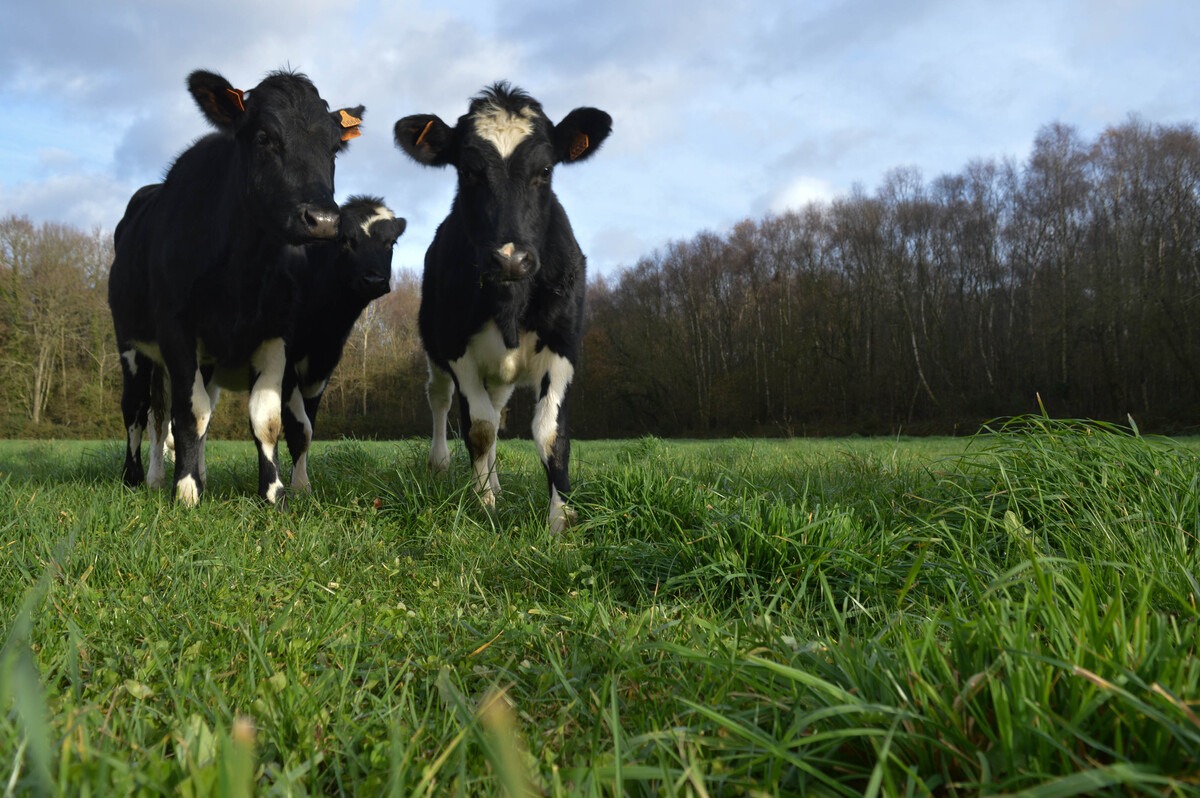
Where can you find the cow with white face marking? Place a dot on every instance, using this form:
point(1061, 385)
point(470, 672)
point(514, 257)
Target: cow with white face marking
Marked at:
point(198, 280)
point(340, 280)
point(503, 287)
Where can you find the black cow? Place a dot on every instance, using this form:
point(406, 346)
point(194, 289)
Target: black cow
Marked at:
point(198, 279)
point(338, 279)
point(503, 287)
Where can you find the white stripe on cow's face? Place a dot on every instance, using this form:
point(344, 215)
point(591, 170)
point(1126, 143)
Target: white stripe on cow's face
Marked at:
point(505, 131)
point(381, 213)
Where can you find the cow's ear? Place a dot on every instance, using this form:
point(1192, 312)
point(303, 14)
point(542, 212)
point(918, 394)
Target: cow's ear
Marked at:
point(580, 134)
point(393, 228)
point(426, 139)
point(350, 122)
point(222, 104)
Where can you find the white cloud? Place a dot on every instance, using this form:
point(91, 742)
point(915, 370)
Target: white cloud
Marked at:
point(800, 192)
point(721, 112)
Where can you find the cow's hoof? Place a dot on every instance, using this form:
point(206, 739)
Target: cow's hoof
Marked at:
point(187, 491)
point(561, 518)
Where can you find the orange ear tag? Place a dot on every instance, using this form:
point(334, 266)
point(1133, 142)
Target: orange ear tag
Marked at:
point(579, 146)
point(238, 96)
point(424, 130)
point(350, 123)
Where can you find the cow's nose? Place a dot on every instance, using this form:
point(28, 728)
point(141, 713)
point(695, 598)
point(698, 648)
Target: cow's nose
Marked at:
point(514, 263)
point(319, 222)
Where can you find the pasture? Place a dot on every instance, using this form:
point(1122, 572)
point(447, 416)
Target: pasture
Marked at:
point(1011, 613)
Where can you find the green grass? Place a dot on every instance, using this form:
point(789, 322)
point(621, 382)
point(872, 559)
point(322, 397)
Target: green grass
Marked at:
point(1013, 614)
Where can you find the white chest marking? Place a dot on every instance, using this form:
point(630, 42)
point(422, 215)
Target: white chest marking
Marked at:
point(495, 364)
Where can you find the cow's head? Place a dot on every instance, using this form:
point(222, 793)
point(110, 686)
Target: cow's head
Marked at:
point(368, 232)
point(505, 150)
point(286, 140)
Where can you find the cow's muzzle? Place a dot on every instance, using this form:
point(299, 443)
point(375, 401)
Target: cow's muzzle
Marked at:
point(372, 286)
point(318, 222)
point(513, 263)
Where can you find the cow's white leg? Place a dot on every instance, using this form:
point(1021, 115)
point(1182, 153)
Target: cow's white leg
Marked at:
point(266, 414)
point(484, 420)
point(295, 407)
point(550, 436)
point(499, 396)
point(440, 390)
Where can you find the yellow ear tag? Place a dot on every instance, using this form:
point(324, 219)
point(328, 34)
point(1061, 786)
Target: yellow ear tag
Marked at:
point(238, 97)
point(578, 146)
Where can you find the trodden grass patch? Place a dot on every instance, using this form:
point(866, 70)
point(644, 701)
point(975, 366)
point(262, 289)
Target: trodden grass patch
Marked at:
point(1012, 613)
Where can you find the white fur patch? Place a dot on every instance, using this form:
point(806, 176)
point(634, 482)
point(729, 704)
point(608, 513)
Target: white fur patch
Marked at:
point(130, 358)
point(561, 515)
point(381, 213)
point(505, 131)
point(440, 391)
point(300, 483)
point(487, 373)
point(187, 492)
point(545, 414)
point(300, 467)
point(201, 404)
point(266, 400)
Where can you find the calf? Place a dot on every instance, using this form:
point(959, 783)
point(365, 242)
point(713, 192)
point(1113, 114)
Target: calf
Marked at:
point(340, 280)
point(199, 278)
point(503, 287)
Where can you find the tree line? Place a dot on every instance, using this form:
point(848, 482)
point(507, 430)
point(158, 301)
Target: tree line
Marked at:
point(1072, 277)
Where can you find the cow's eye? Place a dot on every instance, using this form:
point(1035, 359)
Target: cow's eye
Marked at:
point(542, 177)
point(472, 176)
point(264, 140)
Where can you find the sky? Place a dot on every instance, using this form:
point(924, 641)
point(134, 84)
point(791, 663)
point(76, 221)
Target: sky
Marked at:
point(721, 111)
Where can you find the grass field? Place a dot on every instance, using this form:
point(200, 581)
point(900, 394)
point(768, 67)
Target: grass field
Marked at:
point(1010, 614)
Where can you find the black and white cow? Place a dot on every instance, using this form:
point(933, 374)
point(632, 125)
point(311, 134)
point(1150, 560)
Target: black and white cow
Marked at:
point(198, 279)
point(503, 287)
point(340, 280)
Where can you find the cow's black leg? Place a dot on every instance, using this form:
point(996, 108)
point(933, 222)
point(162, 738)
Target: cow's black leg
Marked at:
point(136, 374)
point(552, 440)
point(191, 410)
point(158, 427)
point(266, 415)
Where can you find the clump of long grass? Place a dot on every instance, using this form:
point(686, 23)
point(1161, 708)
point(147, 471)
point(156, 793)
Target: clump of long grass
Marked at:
point(1021, 618)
